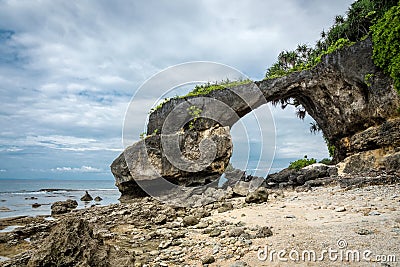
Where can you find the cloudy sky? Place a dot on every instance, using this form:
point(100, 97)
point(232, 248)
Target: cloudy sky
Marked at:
point(68, 70)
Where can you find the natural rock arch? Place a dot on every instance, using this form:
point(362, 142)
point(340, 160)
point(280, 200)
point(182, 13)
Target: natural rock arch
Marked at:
point(359, 116)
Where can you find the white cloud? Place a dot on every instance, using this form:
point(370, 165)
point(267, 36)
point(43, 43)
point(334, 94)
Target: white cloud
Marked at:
point(81, 169)
point(68, 70)
point(66, 143)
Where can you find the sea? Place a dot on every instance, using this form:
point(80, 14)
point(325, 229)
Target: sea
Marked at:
point(18, 195)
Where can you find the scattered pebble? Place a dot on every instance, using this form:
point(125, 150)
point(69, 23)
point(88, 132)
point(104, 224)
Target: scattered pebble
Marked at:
point(190, 220)
point(340, 209)
point(207, 260)
point(374, 213)
point(364, 232)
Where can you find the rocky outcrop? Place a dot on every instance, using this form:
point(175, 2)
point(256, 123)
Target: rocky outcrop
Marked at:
point(352, 100)
point(73, 243)
point(316, 174)
point(143, 166)
point(61, 207)
point(86, 197)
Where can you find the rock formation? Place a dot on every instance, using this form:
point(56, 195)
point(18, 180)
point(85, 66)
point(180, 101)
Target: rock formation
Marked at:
point(73, 243)
point(60, 207)
point(87, 197)
point(359, 116)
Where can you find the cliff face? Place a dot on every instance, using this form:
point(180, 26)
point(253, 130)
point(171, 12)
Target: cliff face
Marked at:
point(351, 99)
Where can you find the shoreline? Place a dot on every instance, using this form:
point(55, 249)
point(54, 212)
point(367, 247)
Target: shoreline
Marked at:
point(35, 197)
point(230, 232)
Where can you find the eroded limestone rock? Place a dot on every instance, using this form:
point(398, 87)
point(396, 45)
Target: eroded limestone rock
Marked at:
point(360, 119)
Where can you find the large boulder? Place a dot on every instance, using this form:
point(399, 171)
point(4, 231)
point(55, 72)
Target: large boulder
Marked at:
point(146, 163)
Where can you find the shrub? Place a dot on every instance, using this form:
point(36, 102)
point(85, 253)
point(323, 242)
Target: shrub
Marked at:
point(386, 39)
point(301, 163)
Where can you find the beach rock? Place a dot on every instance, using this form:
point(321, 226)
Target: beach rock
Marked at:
point(312, 172)
point(141, 167)
point(160, 219)
point(214, 232)
point(4, 209)
point(86, 197)
point(364, 232)
point(340, 209)
point(207, 260)
point(190, 220)
point(282, 176)
point(36, 205)
point(61, 207)
point(225, 206)
point(236, 232)
point(260, 195)
point(241, 188)
point(320, 182)
point(239, 264)
point(31, 198)
point(165, 244)
point(73, 243)
point(263, 232)
point(98, 199)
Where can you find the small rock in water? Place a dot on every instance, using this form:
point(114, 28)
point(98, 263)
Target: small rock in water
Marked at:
point(31, 198)
point(98, 199)
point(86, 197)
point(36, 205)
point(4, 209)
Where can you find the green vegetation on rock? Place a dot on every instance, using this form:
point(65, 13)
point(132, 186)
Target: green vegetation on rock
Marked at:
point(207, 88)
point(368, 78)
point(386, 38)
point(364, 18)
point(195, 112)
point(204, 89)
point(345, 31)
point(301, 163)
